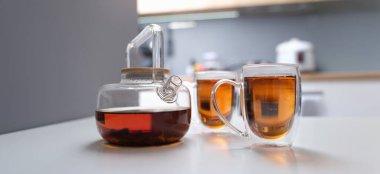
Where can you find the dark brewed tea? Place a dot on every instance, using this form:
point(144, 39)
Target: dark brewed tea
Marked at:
point(133, 126)
point(270, 104)
point(224, 98)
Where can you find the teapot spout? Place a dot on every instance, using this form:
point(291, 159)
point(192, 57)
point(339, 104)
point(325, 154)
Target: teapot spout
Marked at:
point(168, 92)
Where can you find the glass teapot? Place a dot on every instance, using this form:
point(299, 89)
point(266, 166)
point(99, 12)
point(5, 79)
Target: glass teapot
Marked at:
point(148, 106)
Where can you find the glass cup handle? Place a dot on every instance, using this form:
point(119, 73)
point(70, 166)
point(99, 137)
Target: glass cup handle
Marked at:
point(191, 88)
point(220, 115)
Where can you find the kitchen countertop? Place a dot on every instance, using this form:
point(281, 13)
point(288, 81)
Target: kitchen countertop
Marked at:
point(328, 76)
point(324, 145)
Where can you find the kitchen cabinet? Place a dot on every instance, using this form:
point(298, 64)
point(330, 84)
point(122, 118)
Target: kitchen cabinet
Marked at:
point(343, 94)
point(154, 7)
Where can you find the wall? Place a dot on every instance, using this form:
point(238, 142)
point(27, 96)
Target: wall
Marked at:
point(56, 54)
point(344, 40)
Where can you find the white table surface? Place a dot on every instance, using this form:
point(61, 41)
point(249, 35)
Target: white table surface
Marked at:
point(323, 145)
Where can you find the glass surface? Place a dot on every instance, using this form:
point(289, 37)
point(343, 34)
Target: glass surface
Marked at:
point(148, 106)
point(270, 103)
point(225, 97)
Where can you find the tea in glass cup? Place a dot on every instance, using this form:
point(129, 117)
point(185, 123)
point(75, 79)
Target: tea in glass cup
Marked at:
point(225, 97)
point(270, 103)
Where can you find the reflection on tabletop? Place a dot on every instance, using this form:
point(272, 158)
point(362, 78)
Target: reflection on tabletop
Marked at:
point(228, 145)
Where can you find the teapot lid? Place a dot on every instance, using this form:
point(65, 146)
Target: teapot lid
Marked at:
point(144, 73)
point(144, 70)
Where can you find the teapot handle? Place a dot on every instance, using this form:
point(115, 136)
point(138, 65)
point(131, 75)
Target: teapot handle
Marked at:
point(153, 31)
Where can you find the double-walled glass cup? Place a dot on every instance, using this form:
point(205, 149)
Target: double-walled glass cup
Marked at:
point(270, 103)
point(225, 97)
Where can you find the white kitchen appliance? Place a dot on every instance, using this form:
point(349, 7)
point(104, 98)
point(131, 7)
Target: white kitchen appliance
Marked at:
point(296, 51)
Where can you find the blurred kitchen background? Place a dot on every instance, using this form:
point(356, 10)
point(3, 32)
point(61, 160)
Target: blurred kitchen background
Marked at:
point(344, 33)
point(55, 54)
